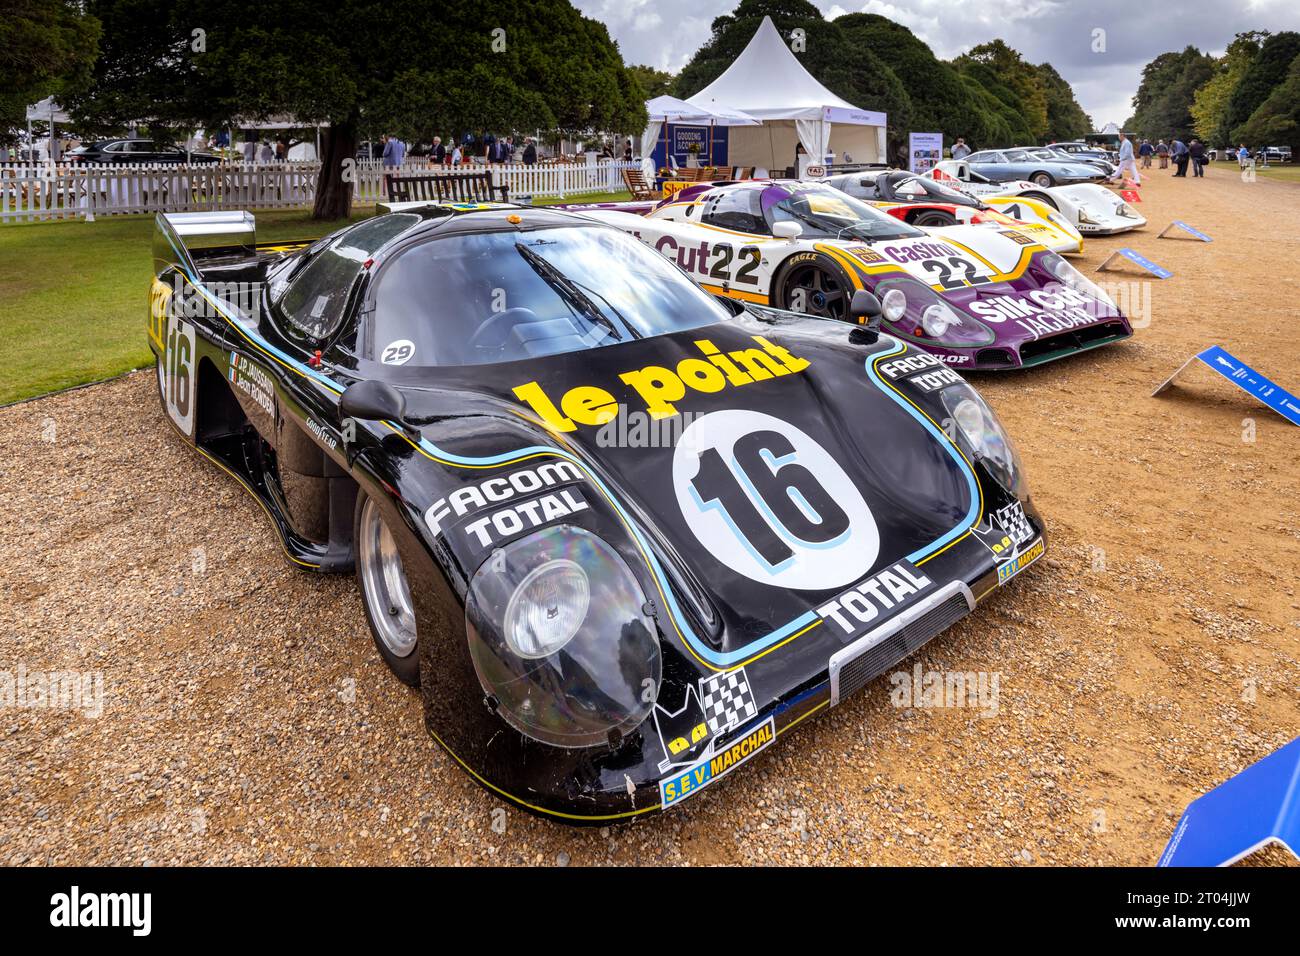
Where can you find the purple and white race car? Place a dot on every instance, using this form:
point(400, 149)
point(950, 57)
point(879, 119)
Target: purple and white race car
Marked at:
point(975, 296)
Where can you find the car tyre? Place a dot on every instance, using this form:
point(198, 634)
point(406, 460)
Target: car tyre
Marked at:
point(1042, 179)
point(1043, 198)
point(816, 282)
point(385, 591)
point(933, 217)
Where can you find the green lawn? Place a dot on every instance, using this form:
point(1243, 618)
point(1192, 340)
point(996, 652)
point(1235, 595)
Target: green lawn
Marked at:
point(74, 295)
point(1288, 173)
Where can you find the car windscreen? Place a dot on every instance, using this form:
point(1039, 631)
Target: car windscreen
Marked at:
point(911, 187)
point(475, 299)
point(826, 213)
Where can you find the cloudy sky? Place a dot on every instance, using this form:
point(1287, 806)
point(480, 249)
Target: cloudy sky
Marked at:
point(666, 33)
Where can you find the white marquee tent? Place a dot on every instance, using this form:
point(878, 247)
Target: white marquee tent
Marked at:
point(769, 83)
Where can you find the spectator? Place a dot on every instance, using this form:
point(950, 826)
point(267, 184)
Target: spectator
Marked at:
point(530, 153)
point(394, 151)
point(1243, 156)
point(1126, 161)
point(250, 149)
point(1145, 151)
point(456, 156)
point(1196, 151)
point(1162, 150)
point(439, 152)
point(504, 150)
point(265, 154)
point(627, 151)
point(1180, 155)
point(281, 151)
point(959, 149)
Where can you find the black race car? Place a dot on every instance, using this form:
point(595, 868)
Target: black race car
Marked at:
point(620, 533)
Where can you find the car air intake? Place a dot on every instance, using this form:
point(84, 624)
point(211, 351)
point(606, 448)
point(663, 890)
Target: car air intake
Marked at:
point(872, 654)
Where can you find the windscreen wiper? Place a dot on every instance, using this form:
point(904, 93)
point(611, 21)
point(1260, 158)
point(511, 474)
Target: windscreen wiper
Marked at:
point(568, 290)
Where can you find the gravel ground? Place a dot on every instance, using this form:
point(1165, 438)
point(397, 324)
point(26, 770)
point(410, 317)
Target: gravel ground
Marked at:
point(247, 719)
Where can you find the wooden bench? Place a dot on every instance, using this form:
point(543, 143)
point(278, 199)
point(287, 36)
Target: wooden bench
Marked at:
point(445, 187)
point(635, 182)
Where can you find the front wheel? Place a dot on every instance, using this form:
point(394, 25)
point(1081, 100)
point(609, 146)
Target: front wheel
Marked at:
point(385, 593)
point(1042, 179)
point(814, 286)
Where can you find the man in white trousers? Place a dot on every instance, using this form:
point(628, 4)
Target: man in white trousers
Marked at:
point(1126, 161)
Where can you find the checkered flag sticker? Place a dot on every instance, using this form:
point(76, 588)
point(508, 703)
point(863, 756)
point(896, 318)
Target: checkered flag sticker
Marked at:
point(1015, 524)
point(727, 700)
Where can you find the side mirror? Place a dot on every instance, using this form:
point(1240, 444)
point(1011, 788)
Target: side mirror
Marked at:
point(787, 230)
point(372, 401)
point(865, 309)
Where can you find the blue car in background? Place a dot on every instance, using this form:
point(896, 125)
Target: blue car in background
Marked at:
point(1013, 165)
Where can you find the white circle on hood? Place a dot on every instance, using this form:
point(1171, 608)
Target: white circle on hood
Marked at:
point(772, 504)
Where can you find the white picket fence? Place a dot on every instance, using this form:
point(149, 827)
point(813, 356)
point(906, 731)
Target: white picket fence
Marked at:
point(29, 193)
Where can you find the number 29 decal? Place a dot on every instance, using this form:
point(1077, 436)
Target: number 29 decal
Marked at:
point(770, 503)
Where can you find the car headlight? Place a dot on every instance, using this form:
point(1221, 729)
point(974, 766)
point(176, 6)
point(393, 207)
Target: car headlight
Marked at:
point(982, 436)
point(1124, 209)
point(893, 305)
point(547, 608)
point(938, 319)
point(1085, 218)
point(561, 639)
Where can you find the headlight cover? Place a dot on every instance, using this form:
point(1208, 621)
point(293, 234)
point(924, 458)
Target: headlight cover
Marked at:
point(1072, 278)
point(893, 305)
point(926, 311)
point(974, 426)
point(560, 638)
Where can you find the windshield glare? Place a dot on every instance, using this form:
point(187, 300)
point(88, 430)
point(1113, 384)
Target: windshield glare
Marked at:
point(504, 296)
point(826, 213)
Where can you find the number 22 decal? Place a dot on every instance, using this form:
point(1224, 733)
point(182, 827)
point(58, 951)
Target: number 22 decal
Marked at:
point(945, 269)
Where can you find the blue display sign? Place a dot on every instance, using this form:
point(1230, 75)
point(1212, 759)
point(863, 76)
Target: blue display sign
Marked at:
point(1258, 806)
point(1186, 228)
point(1248, 380)
point(1160, 272)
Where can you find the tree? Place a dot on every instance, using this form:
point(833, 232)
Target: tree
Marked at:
point(1018, 84)
point(143, 75)
point(653, 82)
point(45, 47)
point(1163, 102)
point(1266, 71)
point(496, 66)
point(1277, 120)
point(1066, 119)
point(1210, 103)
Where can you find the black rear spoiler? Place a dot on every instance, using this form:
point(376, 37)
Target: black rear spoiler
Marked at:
point(184, 239)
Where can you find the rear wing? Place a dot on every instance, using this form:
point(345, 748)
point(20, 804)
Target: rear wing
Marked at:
point(185, 239)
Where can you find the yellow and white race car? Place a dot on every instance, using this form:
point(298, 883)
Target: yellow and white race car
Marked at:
point(928, 204)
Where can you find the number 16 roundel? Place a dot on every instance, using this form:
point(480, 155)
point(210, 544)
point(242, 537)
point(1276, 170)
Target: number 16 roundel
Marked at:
point(770, 503)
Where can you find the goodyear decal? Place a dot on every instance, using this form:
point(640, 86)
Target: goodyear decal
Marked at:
point(682, 785)
point(1017, 564)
